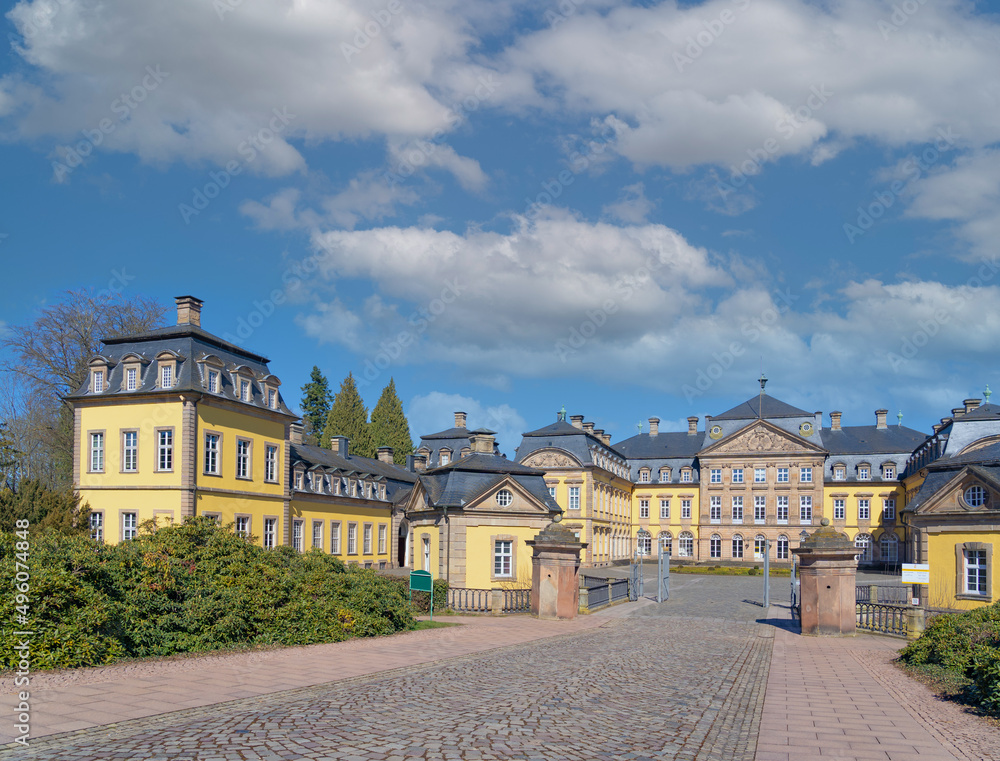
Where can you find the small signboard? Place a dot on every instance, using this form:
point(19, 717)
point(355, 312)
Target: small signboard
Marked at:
point(422, 581)
point(916, 573)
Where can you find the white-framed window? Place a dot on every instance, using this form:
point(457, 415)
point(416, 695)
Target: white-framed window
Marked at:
point(97, 527)
point(805, 509)
point(782, 509)
point(643, 508)
point(97, 452)
point(805, 475)
point(644, 545)
point(737, 509)
point(366, 539)
point(715, 509)
point(130, 526)
point(863, 542)
point(889, 471)
point(664, 475)
point(243, 526)
point(839, 473)
point(666, 543)
point(864, 509)
point(781, 548)
point(864, 473)
point(503, 557)
point(685, 508)
point(552, 492)
point(98, 381)
point(889, 509)
point(685, 545)
point(212, 441)
point(317, 534)
point(888, 547)
point(686, 476)
point(759, 547)
point(244, 390)
point(715, 476)
point(839, 509)
point(166, 376)
point(270, 462)
point(445, 457)
point(165, 449)
point(272, 399)
point(213, 381)
point(243, 458)
point(130, 451)
point(574, 498)
point(975, 496)
point(737, 475)
point(298, 535)
point(976, 581)
point(760, 475)
point(352, 538)
point(270, 532)
point(737, 547)
point(383, 538)
point(131, 378)
point(664, 508)
point(782, 475)
point(334, 537)
point(644, 476)
point(759, 508)
point(715, 547)
point(504, 498)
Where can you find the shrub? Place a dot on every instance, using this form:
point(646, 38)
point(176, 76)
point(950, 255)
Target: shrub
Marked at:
point(422, 600)
point(951, 639)
point(985, 675)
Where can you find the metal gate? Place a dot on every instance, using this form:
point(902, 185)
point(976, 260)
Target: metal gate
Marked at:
point(795, 587)
point(636, 588)
point(663, 575)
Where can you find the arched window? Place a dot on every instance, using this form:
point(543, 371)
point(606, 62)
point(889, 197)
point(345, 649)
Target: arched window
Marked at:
point(863, 542)
point(888, 547)
point(782, 548)
point(644, 544)
point(685, 548)
point(715, 546)
point(759, 547)
point(666, 542)
point(738, 547)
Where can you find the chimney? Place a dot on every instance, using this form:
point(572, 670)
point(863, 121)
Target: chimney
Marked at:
point(599, 433)
point(945, 421)
point(339, 445)
point(693, 425)
point(957, 412)
point(419, 462)
point(482, 442)
point(880, 419)
point(385, 455)
point(654, 426)
point(972, 404)
point(188, 310)
point(835, 421)
point(295, 432)
point(577, 421)
point(819, 420)
point(606, 438)
point(460, 420)
point(588, 427)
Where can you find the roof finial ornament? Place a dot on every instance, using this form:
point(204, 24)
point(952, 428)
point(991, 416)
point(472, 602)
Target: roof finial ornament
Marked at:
point(562, 414)
point(899, 417)
point(639, 426)
point(987, 393)
point(760, 402)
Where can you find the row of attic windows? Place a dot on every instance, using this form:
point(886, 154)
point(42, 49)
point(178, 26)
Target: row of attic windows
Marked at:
point(334, 484)
point(246, 386)
point(863, 472)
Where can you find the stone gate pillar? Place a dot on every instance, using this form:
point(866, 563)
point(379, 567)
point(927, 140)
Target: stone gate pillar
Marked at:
point(555, 572)
point(827, 572)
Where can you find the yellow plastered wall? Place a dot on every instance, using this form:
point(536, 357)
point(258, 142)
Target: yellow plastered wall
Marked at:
point(233, 425)
point(161, 505)
point(943, 567)
point(479, 556)
point(227, 506)
point(344, 514)
point(113, 420)
point(876, 492)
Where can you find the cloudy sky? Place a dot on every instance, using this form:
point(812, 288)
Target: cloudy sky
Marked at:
point(629, 210)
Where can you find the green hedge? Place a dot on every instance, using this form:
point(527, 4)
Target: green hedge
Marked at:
point(967, 644)
point(188, 588)
point(422, 600)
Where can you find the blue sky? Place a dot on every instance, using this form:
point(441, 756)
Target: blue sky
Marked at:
point(629, 210)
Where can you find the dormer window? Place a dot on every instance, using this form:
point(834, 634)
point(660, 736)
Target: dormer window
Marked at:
point(166, 376)
point(445, 457)
point(97, 382)
point(864, 472)
point(664, 475)
point(298, 480)
point(686, 476)
point(244, 390)
point(889, 471)
point(213, 381)
point(131, 378)
point(839, 473)
point(272, 399)
point(644, 476)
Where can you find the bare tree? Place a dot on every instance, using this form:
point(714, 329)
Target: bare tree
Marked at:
point(46, 359)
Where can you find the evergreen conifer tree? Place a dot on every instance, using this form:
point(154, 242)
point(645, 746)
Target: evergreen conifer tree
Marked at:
point(349, 417)
point(316, 402)
point(389, 425)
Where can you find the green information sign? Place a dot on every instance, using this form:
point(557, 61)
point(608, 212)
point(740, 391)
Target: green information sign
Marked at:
point(422, 581)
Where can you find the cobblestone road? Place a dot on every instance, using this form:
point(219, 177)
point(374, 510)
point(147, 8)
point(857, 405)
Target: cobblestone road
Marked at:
point(669, 684)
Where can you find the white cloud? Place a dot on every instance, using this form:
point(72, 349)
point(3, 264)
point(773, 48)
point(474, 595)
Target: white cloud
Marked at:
point(632, 205)
point(433, 412)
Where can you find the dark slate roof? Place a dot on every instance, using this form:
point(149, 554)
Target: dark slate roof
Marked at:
point(932, 485)
point(191, 343)
point(984, 462)
point(558, 428)
point(663, 445)
point(314, 455)
point(451, 433)
point(987, 454)
point(463, 480)
point(772, 408)
point(868, 439)
point(983, 412)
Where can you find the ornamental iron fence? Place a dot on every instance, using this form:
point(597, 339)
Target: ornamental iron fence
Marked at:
point(882, 618)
